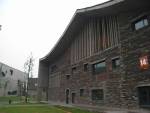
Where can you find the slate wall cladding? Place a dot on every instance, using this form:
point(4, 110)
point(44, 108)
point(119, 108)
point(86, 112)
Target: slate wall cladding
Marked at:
point(133, 45)
point(120, 85)
point(108, 81)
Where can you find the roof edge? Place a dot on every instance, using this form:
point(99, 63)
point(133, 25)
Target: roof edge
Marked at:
point(99, 6)
point(79, 11)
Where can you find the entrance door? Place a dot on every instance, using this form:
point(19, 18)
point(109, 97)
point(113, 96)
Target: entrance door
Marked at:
point(67, 96)
point(73, 97)
point(144, 95)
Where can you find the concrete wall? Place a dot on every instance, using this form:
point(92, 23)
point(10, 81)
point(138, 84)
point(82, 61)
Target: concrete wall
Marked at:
point(9, 79)
point(43, 77)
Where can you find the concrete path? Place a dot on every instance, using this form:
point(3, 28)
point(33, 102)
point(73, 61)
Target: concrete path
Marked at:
point(100, 109)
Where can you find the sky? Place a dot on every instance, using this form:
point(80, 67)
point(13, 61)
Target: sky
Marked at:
point(34, 26)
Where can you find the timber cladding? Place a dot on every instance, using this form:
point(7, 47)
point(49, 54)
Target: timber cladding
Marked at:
point(101, 64)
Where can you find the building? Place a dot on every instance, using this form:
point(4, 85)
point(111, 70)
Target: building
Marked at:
point(11, 80)
point(32, 87)
point(102, 58)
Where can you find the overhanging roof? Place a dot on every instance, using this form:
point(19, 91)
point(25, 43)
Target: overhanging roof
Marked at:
point(107, 8)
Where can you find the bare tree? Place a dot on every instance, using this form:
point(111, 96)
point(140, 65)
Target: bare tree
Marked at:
point(28, 66)
point(1, 75)
point(4, 80)
point(5, 86)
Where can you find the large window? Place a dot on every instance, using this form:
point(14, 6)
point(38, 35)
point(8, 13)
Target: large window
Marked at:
point(97, 94)
point(144, 96)
point(99, 67)
point(141, 23)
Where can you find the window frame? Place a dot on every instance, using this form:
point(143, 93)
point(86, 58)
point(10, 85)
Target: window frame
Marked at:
point(113, 60)
point(138, 20)
point(82, 91)
point(74, 69)
point(98, 71)
point(101, 95)
point(68, 76)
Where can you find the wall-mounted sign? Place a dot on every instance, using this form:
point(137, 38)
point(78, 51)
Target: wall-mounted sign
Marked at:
point(144, 64)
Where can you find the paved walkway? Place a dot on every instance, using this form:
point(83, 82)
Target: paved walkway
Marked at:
point(101, 109)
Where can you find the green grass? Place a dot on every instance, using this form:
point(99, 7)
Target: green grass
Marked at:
point(73, 109)
point(30, 109)
point(6, 98)
point(15, 100)
point(40, 109)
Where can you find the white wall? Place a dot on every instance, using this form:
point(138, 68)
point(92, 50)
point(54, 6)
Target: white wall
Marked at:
point(11, 79)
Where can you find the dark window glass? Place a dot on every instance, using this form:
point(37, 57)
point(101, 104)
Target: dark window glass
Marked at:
point(67, 77)
point(144, 95)
point(99, 67)
point(85, 67)
point(81, 92)
point(74, 69)
point(97, 94)
point(141, 23)
point(115, 63)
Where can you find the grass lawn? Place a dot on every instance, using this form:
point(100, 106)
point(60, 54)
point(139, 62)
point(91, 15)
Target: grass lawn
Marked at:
point(6, 98)
point(14, 100)
point(40, 109)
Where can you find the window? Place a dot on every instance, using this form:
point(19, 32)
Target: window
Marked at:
point(81, 92)
point(85, 67)
point(115, 63)
point(74, 69)
point(99, 67)
point(11, 72)
point(141, 23)
point(68, 77)
point(144, 95)
point(97, 94)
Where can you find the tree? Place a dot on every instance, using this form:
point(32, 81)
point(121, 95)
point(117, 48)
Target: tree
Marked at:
point(1, 75)
point(5, 86)
point(28, 67)
point(4, 80)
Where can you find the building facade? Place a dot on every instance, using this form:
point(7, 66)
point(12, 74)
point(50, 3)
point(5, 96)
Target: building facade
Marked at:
point(32, 87)
point(103, 57)
point(11, 80)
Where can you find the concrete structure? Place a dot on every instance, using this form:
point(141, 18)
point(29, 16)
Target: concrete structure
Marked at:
point(32, 88)
point(11, 80)
point(102, 58)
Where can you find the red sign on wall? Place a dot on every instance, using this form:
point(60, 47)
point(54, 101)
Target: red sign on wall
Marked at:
point(144, 64)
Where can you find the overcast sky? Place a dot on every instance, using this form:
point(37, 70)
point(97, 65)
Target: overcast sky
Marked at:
point(34, 26)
